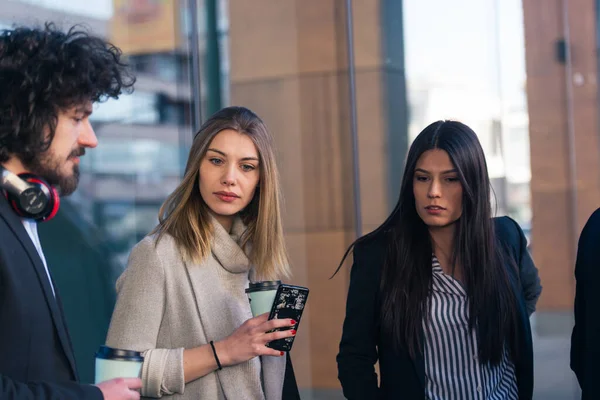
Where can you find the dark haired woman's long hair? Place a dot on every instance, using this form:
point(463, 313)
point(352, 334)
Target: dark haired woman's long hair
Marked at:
point(407, 272)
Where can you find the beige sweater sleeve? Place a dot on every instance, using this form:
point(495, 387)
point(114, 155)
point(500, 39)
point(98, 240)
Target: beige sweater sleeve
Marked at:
point(137, 317)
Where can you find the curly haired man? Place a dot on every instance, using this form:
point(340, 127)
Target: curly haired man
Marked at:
point(49, 80)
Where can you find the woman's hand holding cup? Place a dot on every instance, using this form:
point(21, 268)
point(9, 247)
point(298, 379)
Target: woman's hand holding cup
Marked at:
point(250, 339)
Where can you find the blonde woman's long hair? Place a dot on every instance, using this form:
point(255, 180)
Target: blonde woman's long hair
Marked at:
point(185, 216)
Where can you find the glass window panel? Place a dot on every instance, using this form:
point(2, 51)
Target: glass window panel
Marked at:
point(468, 63)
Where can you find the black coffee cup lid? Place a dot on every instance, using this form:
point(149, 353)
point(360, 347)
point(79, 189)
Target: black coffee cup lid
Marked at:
point(110, 353)
point(262, 285)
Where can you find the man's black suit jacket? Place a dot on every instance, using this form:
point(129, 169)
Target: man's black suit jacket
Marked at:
point(36, 358)
point(585, 340)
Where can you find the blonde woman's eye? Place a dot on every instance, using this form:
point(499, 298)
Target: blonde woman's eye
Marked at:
point(247, 167)
point(216, 161)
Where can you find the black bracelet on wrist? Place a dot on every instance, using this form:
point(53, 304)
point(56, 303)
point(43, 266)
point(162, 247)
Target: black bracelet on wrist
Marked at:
point(212, 345)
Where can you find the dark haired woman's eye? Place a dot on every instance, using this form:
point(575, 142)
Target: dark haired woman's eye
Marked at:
point(453, 179)
point(216, 161)
point(421, 178)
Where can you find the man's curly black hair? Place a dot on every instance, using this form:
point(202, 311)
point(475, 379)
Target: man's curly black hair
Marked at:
point(45, 70)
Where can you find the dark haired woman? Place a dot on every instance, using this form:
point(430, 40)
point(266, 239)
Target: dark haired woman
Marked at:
point(441, 293)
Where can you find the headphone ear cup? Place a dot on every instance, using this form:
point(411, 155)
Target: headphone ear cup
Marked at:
point(54, 201)
point(51, 196)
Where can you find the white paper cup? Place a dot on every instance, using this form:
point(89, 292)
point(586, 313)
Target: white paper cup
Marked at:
point(261, 296)
point(116, 363)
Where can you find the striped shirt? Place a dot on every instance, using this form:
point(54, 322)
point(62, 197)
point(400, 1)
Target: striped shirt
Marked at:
point(452, 368)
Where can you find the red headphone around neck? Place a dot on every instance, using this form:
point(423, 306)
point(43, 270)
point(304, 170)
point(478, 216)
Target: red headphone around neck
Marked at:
point(29, 195)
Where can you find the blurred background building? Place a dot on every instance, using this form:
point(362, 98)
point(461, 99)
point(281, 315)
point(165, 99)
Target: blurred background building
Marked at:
point(524, 78)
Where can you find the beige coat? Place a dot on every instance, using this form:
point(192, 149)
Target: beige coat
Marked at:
point(165, 305)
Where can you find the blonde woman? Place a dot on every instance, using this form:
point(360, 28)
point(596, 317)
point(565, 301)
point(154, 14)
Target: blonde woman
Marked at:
point(181, 299)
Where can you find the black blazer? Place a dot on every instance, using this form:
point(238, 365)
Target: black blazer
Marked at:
point(585, 340)
point(363, 343)
point(36, 358)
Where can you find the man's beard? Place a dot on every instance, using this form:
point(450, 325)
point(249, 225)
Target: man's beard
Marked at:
point(49, 168)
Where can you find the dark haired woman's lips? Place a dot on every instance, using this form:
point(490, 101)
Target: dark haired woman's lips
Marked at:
point(434, 210)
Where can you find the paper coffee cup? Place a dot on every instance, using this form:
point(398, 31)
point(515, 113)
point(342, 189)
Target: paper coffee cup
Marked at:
point(116, 363)
point(261, 296)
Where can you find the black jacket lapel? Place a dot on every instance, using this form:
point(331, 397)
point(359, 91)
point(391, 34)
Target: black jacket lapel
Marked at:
point(15, 224)
point(419, 362)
